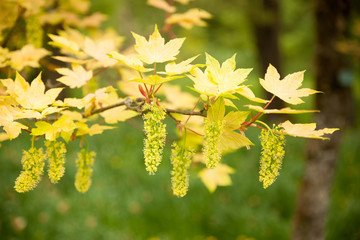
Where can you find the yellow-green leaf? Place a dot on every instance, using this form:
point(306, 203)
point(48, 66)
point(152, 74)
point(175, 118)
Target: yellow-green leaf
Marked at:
point(155, 79)
point(217, 110)
point(219, 80)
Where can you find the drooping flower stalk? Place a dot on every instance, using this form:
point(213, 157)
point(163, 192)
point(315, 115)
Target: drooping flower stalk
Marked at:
point(84, 164)
point(272, 155)
point(55, 152)
point(181, 160)
point(155, 131)
point(33, 162)
point(212, 152)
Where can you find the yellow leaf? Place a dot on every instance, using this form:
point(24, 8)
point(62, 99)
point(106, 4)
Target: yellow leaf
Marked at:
point(155, 50)
point(98, 129)
point(217, 110)
point(286, 110)
point(7, 117)
point(118, 114)
point(52, 131)
point(184, 2)
point(286, 89)
point(132, 61)
point(193, 17)
point(99, 50)
point(219, 80)
point(180, 68)
point(77, 77)
point(233, 120)
point(246, 92)
point(218, 176)
point(231, 140)
point(176, 98)
point(34, 96)
point(27, 56)
point(306, 130)
point(162, 4)
point(64, 43)
point(155, 79)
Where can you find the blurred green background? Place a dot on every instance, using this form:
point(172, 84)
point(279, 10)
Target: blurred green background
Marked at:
point(124, 202)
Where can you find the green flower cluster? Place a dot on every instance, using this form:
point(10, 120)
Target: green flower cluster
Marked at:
point(272, 155)
point(84, 164)
point(155, 131)
point(56, 156)
point(33, 162)
point(181, 160)
point(212, 151)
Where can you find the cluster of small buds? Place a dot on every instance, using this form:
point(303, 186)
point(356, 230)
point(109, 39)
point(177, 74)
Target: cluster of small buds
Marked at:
point(33, 162)
point(55, 152)
point(84, 164)
point(272, 155)
point(181, 160)
point(34, 31)
point(155, 131)
point(212, 151)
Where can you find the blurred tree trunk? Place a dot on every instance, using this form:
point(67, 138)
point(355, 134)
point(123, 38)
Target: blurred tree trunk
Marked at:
point(266, 26)
point(331, 20)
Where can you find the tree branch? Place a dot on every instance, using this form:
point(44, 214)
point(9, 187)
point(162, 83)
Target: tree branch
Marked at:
point(136, 104)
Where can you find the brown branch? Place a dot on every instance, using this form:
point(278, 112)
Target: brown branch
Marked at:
point(136, 106)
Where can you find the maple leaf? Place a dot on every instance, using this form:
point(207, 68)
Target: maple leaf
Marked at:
point(182, 67)
point(64, 43)
point(162, 4)
point(53, 131)
point(286, 89)
point(27, 56)
point(218, 176)
point(219, 80)
point(155, 50)
point(230, 139)
point(189, 19)
point(77, 77)
point(306, 130)
point(131, 60)
point(99, 50)
point(155, 79)
point(176, 98)
point(7, 117)
point(33, 96)
point(286, 110)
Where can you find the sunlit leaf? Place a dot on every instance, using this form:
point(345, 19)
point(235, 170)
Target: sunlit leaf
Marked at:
point(288, 88)
point(219, 176)
point(155, 50)
point(189, 19)
point(306, 130)
point(286, 110)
